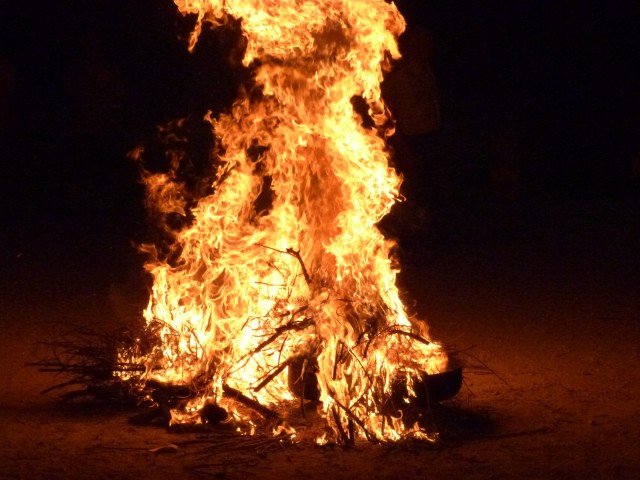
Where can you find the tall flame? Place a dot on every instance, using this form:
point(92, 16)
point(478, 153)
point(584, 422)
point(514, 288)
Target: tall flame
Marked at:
point(308, 278)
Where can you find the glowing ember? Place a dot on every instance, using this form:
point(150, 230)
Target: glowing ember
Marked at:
point(306, 283)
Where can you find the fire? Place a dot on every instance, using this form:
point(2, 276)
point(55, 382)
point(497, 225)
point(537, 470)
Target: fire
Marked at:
point(302, 286)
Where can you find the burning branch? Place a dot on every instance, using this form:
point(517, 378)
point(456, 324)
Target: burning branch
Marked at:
point(273, 374)
point(289, 326)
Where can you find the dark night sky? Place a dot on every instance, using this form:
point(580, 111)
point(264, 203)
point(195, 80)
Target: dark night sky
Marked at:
point(563, 75)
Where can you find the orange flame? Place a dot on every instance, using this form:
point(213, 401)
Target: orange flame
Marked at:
point(308, 278)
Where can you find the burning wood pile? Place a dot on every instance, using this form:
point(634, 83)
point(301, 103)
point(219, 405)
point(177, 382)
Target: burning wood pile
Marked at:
point(281, 290)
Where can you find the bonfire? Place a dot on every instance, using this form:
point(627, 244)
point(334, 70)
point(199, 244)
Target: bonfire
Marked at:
point(280, 290)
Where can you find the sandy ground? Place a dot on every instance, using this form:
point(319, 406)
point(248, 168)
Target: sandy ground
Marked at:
point(549, 327)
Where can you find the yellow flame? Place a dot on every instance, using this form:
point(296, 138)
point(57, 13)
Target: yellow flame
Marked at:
point(311, 276)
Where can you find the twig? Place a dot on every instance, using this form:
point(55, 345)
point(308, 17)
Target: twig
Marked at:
point(366, 348)
point(88, 369)
point(290, 325)
point(370, 436)
point(412, 335)
point(336, 418)
point(295, 254)
point(491, 370)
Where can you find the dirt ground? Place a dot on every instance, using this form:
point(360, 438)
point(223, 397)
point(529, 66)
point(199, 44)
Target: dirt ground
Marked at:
point(548, 325)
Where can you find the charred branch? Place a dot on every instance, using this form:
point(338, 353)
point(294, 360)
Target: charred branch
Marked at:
point(237, 396)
